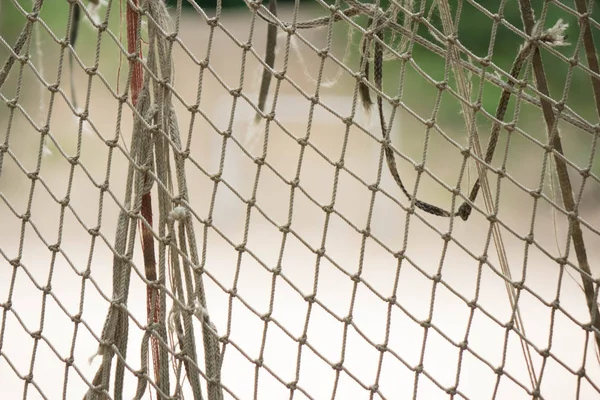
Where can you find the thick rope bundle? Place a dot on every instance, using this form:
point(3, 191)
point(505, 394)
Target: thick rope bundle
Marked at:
point(155, 139)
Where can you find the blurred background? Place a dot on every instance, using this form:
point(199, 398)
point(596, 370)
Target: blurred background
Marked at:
point(27, 308)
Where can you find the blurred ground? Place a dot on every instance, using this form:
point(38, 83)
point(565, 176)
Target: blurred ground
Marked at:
point(348, 251)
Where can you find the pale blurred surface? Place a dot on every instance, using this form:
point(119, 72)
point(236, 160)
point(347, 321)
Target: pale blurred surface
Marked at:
point(424, 248)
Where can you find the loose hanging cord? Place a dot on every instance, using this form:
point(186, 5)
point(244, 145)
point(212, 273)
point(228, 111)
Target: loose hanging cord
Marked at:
point(389, 152)
point(73, 35)
point(553, 36)
point(269, 60)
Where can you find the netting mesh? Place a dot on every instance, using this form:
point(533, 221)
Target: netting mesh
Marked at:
point(296, 200)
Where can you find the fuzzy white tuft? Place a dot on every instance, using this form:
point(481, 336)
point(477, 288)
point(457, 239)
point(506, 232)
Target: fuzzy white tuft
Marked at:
point(179, 213)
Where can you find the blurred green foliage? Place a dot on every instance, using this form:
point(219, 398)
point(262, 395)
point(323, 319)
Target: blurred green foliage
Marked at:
point(212, 3)
point(475, 33)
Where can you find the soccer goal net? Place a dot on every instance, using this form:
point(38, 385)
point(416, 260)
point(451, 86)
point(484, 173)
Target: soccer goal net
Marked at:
point(328, 199)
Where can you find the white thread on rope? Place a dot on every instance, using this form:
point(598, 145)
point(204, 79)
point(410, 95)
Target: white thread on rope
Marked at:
point(202, 314)
point(179, 213)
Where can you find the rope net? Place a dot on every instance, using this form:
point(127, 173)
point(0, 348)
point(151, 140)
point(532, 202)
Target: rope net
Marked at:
point(345, 199)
